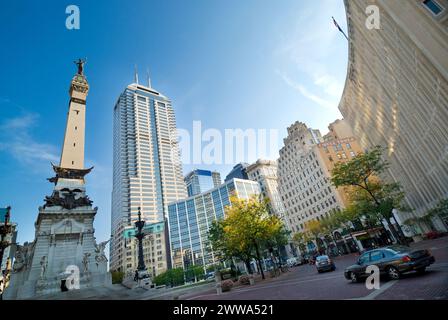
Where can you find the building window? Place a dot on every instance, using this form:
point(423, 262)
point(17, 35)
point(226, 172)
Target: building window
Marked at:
point(433, 6)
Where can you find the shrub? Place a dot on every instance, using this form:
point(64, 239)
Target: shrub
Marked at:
point(226, 285)
point(171, 277)
point(244, 279)
point(117, 277)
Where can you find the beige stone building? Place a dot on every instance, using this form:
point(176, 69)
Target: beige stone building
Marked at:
point(333, 151)
point(265, 173)
point(304, 172)
point(396, 94)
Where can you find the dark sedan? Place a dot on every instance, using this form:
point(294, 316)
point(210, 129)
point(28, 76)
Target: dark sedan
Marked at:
point(392, 260)
point(324, 263)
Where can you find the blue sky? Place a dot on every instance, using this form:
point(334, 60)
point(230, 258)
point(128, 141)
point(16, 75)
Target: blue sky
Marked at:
point(230, 64)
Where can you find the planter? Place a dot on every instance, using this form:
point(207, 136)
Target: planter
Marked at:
point(226, 285)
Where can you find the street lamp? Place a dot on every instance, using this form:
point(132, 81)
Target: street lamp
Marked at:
point(140, 235)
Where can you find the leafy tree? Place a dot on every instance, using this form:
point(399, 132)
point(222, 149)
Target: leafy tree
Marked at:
point(171, 277)
point(368, 192)
point(314, 228)
point(247, 230)
point(300, 239)
point(227, 247)
point(195, 272)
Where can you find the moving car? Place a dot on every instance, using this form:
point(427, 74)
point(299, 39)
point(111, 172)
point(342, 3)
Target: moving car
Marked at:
point(324, 263)
point(391, 260)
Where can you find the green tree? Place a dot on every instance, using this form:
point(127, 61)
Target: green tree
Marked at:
point(247, 230)
point(367, 191)
point(195, 273)
point(227, 247)
point(300, 239)
point(171, 277)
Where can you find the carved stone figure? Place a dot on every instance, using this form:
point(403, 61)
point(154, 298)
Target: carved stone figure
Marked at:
point(85, 262)
point(100, 256)
point(19, 259)
point(68, 201)
point(43, 266)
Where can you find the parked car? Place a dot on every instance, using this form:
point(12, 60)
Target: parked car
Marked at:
point(324, 263)
point(295, 261)
point(292, 262)
point(391, 260)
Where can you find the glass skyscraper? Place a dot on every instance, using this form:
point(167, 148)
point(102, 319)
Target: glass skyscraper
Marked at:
point(147, 171)
point(198, 181)
point(189, 221)
point(238, 171)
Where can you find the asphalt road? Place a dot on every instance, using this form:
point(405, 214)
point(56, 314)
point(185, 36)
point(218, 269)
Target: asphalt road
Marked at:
point(303, 282)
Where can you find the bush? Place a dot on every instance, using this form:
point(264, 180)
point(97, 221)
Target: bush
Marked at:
point(170, 277)
point(244, 279)
point(117, 277)
point(226, 285)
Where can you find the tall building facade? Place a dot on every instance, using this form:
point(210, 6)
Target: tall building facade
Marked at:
point(301, 179)
point(238, 171)
point(265, 173)
point(189, 221)
point(396, 94)
point(147, 171)
point(198, 181)
point(304, 173)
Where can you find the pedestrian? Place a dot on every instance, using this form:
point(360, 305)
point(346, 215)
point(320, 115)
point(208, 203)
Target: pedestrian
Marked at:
point(136, 275)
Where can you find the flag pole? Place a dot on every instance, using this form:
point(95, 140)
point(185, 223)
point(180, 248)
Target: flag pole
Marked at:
point(339, 28)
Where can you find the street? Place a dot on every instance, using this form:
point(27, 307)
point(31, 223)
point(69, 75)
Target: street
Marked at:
point(303, 282)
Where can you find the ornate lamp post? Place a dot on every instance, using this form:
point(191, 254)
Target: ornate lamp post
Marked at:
point(141, 268)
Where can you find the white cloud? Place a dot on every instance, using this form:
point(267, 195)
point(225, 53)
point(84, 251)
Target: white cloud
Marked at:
point(311, 51)
point(20, 143)
point(307, 94)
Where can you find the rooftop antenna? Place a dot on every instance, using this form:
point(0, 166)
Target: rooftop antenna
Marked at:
point(149, 78)
point(135, 74)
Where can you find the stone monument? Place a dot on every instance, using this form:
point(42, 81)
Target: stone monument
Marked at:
point(64, 254)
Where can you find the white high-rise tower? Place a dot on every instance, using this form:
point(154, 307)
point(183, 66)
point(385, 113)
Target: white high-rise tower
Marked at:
point(147, 171)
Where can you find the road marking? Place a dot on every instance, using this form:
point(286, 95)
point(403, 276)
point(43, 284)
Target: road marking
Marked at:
point(376, 293)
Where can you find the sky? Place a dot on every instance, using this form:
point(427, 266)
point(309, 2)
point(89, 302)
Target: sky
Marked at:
point(253, 64)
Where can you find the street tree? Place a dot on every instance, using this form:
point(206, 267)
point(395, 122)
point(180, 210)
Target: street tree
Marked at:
point(367, 191)
point(247, 230)
point(227, 247)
